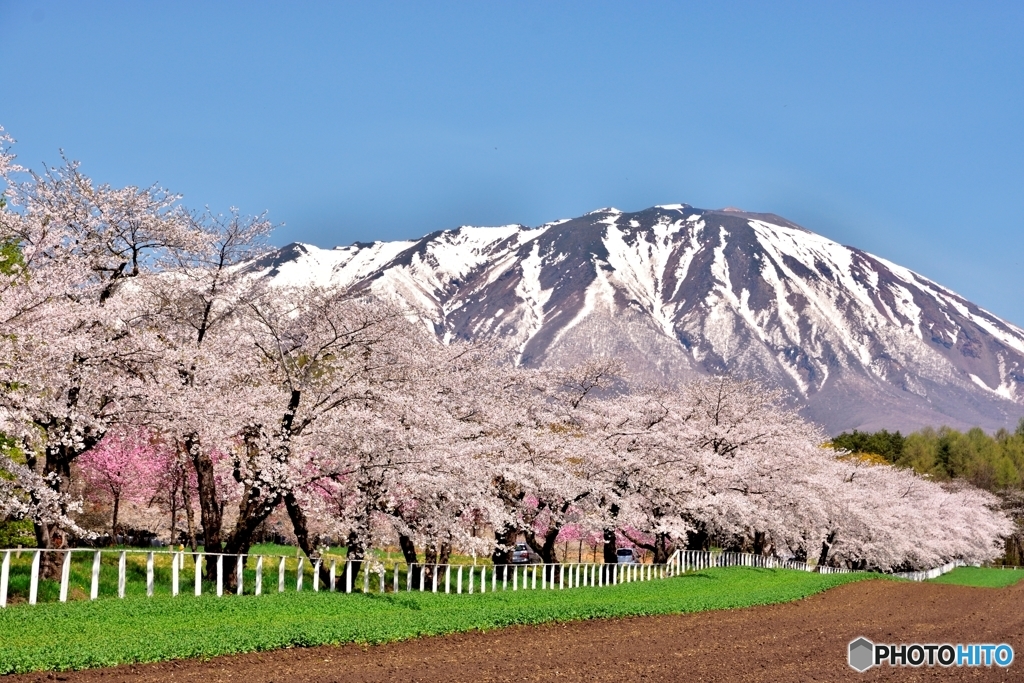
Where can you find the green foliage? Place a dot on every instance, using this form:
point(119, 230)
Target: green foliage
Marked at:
point(889, 445)
point(11, 259)
point(992, 462)
point(77, 635)
point(17, 532)
point(983, 577)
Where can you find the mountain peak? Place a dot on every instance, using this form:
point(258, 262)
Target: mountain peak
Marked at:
point(675, 291)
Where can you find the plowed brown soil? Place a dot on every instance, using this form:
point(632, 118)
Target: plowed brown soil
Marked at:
point(800, 641)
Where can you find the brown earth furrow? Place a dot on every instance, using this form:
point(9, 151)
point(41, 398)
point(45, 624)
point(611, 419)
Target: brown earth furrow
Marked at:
point(799, 641)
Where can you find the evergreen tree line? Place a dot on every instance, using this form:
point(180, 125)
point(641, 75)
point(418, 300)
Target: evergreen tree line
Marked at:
point(993, 462)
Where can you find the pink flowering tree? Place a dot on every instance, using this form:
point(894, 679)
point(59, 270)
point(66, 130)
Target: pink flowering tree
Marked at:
point(125, 467)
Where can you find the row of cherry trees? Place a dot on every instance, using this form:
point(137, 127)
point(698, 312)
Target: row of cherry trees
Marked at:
point(136, 348)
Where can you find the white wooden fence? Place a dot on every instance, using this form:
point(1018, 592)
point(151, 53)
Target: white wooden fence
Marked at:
point(435, 578)
point(445, 578)
point(931, 573)
point(686, 560)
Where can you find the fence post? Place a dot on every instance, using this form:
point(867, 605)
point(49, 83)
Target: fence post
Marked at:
point(220, 575)
point(280, 575)
point(348, 575)
point(240, 575)
point(33, 590)
point(423, 577)
point(122, 573)
point(316, 576)
point(366, 577)
point(149, 575)
point(408, 576)
point(515, 577)
point(395, 578)
point(483, 578)
point(259, 575)
point(174, 575)
point(65, 576)
point(382, 573)
point(94, 589)
point(504, 578)
point(433, 580)
point(5, 576)
point(459, 584)
point(534, 586)
point(333, 574)
point(298, 575)
point(199, 573)
point(494, 579)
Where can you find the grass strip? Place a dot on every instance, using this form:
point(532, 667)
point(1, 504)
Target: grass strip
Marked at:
point(982, 577)
point(109, 632)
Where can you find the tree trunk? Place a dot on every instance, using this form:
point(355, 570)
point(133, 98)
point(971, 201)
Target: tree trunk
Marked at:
point(609, 556)
point(355, 554)
point(209, 507)
point(760, 542)
point(48, 536)
point(186, 498)
point(663, 548)
point(252, 511)
point(411, 559)
point(174, 512)
point(113, 525)
point(826, 545)
point(504, 539)
point(698, 540)
point(435, 553)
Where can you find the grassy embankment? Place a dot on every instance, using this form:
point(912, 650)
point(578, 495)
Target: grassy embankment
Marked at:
point(982, 577)
point(137, 629)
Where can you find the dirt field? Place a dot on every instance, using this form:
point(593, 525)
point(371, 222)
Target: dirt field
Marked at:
point(802, 641)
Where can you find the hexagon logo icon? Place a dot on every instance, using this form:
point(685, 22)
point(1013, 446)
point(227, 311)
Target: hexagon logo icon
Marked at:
point(862, 654)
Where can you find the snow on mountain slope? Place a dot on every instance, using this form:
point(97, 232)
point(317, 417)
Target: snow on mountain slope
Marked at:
point(677, 291)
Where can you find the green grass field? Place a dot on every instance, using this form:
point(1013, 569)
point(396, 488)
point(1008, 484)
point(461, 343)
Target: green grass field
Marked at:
point(983, 577)
point(108, 632)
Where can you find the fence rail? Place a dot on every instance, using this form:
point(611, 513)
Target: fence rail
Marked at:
point(249, 571)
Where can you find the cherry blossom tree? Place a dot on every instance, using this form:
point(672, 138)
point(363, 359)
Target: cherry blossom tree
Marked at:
point(125, 467)
point(76, 361)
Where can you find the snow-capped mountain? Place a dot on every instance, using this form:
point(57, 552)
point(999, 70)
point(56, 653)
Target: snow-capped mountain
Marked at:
point(676, 291)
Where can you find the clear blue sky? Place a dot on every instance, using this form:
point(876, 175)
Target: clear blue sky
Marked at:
point(894, 127)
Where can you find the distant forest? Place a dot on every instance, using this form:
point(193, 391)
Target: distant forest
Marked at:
point(994, 462)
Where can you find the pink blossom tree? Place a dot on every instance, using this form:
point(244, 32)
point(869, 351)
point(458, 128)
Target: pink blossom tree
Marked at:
point(125, 466)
